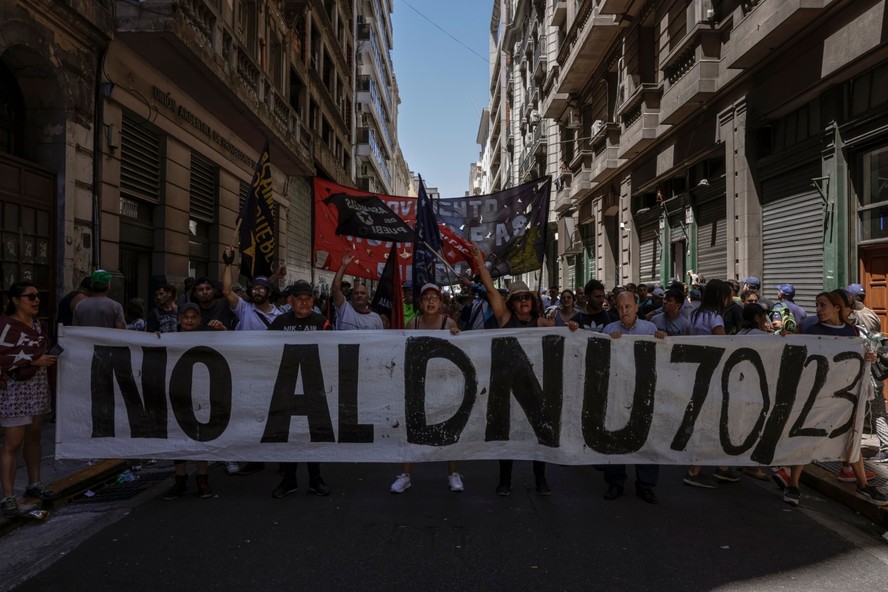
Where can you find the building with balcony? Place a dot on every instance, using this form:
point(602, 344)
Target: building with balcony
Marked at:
point(724, 139)
point(159, 118)
point(377, 102)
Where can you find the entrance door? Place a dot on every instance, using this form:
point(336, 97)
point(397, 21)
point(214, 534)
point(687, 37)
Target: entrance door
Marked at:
point(874, 277)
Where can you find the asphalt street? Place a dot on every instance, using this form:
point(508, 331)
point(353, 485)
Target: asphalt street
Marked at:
point(738, 537)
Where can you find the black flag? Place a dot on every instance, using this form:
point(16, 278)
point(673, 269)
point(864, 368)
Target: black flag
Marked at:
point(257, 222)
point(368, 217)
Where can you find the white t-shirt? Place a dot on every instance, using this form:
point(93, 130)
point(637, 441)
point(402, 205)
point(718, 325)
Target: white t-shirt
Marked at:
point(248, 316)
point(348, 319)
point(705, 322)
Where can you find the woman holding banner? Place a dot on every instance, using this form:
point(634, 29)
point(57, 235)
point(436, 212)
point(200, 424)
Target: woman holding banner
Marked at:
point(833, 309)
point(519, 309)
point(431, 317)
point(24, 392)
point(708, 320)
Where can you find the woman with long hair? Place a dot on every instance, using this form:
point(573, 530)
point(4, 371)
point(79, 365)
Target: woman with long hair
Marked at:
point(521, 308)
point(707, 320)
point(565, 310)
point(24, 392)
point(833, 309)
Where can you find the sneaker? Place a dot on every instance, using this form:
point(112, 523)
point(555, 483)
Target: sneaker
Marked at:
point(613, 492)
point(10, 506)
point(781, 478)
point(250, 468)
point(232, 468)
point(792, 495)
point(542, 486)
point(699, 480)
point(203, 487)
point(287, 486)
point(401, 484)
point(504, 488)
point(180, 486)
point(879, 457)
point(846, 474)
point(726, 475)
point(317, 486)
point(39, 491)
point(455, 482)
point(872, 495)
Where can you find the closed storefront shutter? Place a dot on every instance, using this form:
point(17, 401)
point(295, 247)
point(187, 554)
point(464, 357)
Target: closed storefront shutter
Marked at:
point(649, 253)
point(712, 243)
point(792, 235)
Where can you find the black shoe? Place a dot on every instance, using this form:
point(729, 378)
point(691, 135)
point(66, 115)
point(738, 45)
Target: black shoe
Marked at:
point(180, 486)
point(542, 487)
point(646, 494)
point(287, 486)
point(504, 488)
point(250, 468)
point(203, 487)
point(613, 492)
point(318, 487)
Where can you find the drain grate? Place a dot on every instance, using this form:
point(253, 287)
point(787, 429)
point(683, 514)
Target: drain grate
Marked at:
point(880, 480)
point(112, 491)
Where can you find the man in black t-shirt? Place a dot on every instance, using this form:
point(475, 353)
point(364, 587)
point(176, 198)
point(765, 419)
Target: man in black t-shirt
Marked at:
point(594, 317)
point(300, 318)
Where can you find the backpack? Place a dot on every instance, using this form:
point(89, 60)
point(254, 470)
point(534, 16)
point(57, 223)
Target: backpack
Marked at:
point(782, 318)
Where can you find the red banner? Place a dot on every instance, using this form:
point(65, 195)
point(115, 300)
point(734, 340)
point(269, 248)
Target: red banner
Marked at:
point(370, 255)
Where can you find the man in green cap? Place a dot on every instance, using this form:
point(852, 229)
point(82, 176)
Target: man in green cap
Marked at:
point(97, 310)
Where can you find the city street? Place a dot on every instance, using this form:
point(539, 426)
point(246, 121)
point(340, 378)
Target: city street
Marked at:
point(738, 537)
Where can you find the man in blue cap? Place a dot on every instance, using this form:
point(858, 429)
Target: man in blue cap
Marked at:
point(786, 315)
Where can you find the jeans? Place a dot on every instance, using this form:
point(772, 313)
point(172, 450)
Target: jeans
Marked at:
point(289, 470)
point(879, 417)
point(505, 470)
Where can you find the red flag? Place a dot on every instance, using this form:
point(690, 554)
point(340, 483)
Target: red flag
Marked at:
point(456, 248)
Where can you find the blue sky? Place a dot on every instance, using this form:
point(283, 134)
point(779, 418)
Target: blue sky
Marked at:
point(443, 86)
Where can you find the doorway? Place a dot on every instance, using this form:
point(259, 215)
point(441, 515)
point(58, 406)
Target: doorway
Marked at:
point(874, 278)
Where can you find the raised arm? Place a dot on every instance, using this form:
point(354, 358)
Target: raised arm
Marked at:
point(228, 259)
point(336, 286)
point(494, 298)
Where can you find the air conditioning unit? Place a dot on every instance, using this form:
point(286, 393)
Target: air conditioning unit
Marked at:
point(573, 120)
point(364, 171)
point(365, 120)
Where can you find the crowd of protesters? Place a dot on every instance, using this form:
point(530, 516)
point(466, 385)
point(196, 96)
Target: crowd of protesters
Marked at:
point(715, 308)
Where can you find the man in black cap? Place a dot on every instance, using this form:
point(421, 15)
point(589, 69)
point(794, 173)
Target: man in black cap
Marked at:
point(301, 317)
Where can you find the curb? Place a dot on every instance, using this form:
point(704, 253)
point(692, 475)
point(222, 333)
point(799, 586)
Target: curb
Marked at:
point(67, 487)
point(826, 483)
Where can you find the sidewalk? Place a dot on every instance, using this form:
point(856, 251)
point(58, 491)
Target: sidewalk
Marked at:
point(64, 477)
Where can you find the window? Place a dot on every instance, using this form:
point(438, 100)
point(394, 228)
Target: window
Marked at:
point(12, 113)
point(873, 211)
point(202, 213)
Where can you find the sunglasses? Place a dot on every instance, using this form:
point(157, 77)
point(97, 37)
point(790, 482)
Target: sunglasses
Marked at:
point(32, 296)
point(522, 297)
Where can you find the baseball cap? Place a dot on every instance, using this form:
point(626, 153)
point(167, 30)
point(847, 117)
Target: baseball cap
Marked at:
point(300, 288)
point(202, 280)
point(658, 292)
point(430, 286)
point(752, 282)
point(407, 284)
point(856, 289)
point(261, 280)
point(787, 289)
point(189, 306)
point(100, 278)
point(695, 294)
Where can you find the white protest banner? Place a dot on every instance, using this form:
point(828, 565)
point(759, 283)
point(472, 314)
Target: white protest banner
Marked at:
point(392, 396)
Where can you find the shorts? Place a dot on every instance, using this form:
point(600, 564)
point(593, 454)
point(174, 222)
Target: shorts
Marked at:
point(20, 420)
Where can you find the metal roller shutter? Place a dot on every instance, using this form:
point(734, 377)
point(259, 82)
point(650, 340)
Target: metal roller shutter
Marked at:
point(712, 244)
point(649, 253)
point(792, 246)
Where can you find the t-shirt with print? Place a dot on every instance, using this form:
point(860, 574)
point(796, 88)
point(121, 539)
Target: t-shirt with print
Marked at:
point(162, 321)
point(290, 322)
point(594, 322)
